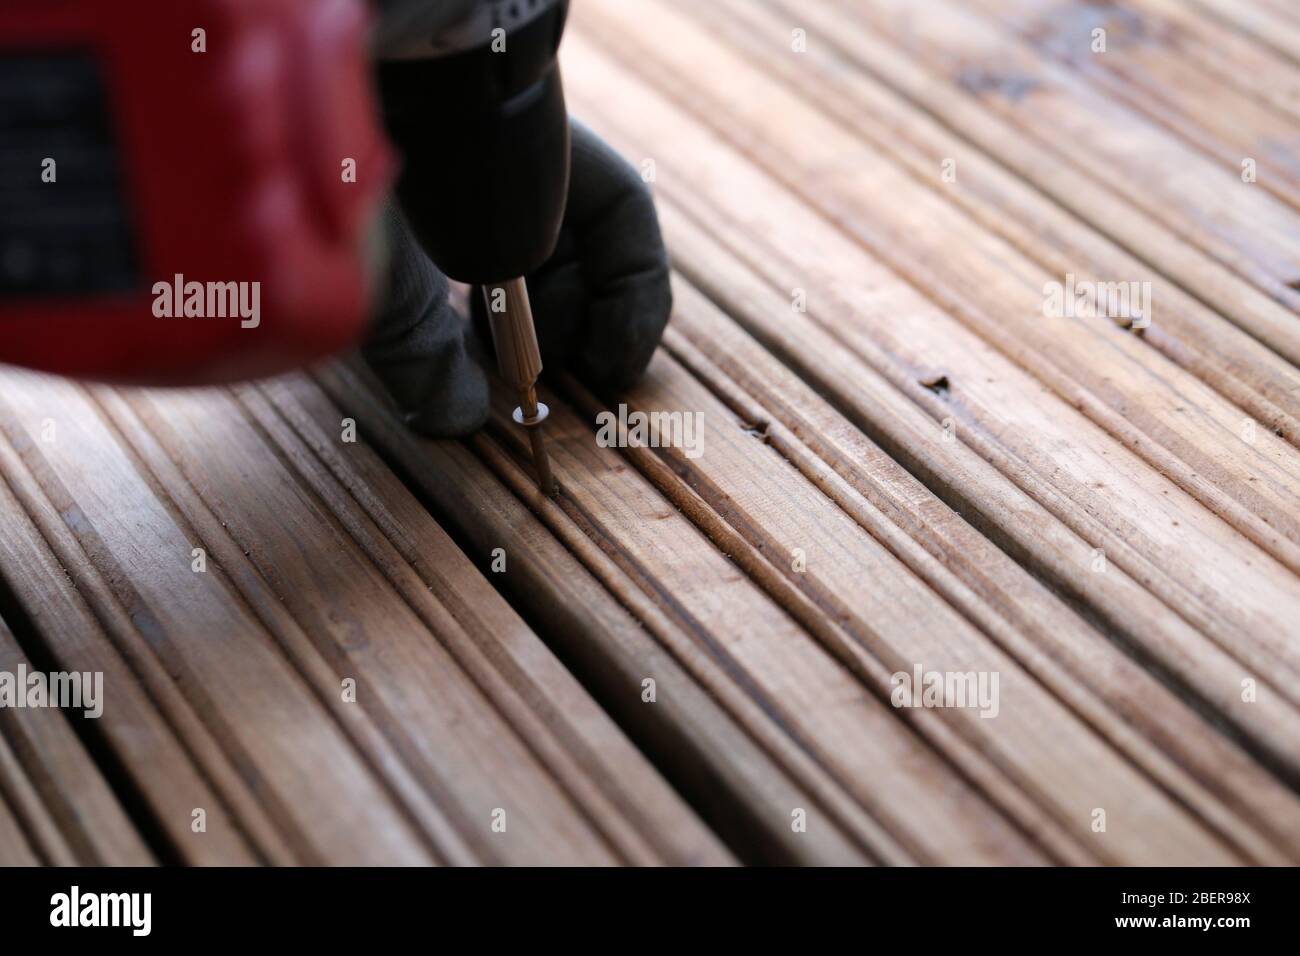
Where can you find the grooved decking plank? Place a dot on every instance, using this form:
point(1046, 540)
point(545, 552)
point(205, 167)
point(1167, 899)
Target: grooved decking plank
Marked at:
point(369, 633)
point(15, 850)
point(1177, 424)
point(1145, 67)
point(906, 420)
point(452, 687)
point(925, 805)
point(761, 642)
point(733, 758)
point(1103, 493)
point(1284, 9)
point(1094, 199)
point(878, 618)
point(1205, 202)
point(970, 484)
point(309, 780)
point(67, 802)
point(576, 741)
point(1035, 438)
point(30, 813)
point(1107, 689)
point(1199, 339)
point(1267, 27)
point(225, 552)
point(1232, 58)
point(170, 756)
point(572, 786)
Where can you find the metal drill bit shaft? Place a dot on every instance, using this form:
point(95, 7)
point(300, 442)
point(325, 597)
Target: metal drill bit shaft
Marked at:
point(537, 440)
point(520, 360)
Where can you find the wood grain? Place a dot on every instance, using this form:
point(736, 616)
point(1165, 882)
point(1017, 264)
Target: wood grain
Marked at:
point(1204, 201)
point(766, 650)
point(1169, 418)
point(1264, 24)
point(732, 757)
point(52, 782)
point(1039, 163)
point(15, 850)
point(254, 704)
point(347, 644)
point(1146, 67)
point(535, 745)
point(618, 789)
point(986, 399)
point(150, 724)
point(992, 190)
point(1013, 609)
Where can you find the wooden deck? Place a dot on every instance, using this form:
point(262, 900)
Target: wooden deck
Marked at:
point(396, 652)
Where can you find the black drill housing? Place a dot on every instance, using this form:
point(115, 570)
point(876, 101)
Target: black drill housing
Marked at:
point(485, 143)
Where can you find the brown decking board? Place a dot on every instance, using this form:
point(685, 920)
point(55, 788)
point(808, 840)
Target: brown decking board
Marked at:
point(918, 468)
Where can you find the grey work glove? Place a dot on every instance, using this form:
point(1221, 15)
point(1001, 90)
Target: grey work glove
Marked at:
point(600, 303)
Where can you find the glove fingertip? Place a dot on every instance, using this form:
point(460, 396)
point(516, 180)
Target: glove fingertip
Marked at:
point(624, 331)
point(454, 412)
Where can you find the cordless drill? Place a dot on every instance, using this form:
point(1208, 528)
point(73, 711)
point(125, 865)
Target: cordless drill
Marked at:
point(155, 167)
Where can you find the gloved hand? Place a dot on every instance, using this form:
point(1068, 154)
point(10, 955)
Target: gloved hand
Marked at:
point(600, 303)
